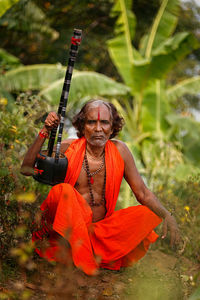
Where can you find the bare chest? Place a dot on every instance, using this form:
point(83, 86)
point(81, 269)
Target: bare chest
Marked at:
point(93, 187)
point(94, 183)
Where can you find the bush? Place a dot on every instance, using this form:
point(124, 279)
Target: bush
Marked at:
point(182, 199)
point(20, 196)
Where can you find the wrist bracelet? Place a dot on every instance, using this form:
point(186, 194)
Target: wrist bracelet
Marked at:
point(43, 134)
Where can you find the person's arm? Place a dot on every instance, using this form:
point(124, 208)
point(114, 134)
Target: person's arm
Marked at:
point(145, 196)
point(51, 121)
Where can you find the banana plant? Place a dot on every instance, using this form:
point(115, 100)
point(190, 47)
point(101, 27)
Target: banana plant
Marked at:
point(145, 69)
point(159, 51)
point(47, 80)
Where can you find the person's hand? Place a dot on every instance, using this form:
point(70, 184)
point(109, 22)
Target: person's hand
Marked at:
point(171, 225)
point(52, 121)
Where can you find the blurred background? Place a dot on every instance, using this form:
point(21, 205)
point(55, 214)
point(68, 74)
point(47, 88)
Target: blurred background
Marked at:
point(144, 57)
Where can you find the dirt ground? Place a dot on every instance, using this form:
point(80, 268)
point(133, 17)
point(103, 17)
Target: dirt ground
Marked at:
point(158, 276)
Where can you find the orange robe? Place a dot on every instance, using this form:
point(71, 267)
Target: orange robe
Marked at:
point(120, 239)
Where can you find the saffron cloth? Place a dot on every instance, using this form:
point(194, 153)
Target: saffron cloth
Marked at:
point(120, 239)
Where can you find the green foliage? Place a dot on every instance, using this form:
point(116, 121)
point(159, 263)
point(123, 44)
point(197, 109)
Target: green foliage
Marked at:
point(139, 68)
point(163, 26)
point(165, 145)
point(126, 21)
point(85, 85)
point(34, 77)
point(15, 136)
point(186, 131)
point(32, 18)
point(48, 80)
point(8, 61)
point(182, 198)
point(188, 86)
point(5, 5)
point(150, 112)
point(121, 45)
point(195, 295)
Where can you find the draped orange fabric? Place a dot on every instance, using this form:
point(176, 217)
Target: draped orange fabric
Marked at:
point(118, 240)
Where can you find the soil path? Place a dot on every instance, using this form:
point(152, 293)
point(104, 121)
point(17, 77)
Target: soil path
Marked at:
point(158, 276)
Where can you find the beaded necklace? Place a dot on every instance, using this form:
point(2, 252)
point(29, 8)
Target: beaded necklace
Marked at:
point(93, 173)
point(91, 180)
point(94, 158)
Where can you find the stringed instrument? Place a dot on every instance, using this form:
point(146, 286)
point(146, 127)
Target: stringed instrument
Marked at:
point(51, 166)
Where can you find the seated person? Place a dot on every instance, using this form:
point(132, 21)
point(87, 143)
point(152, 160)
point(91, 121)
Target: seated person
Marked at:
point(81, 210)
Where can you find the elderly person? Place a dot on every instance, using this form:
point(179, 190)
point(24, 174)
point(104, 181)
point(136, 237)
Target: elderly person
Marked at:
point(81, 210)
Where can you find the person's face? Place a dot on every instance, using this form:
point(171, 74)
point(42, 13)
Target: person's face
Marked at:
point(98, 125)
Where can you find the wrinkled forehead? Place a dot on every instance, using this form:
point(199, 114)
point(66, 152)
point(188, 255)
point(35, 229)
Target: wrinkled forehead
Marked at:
point(99, 109)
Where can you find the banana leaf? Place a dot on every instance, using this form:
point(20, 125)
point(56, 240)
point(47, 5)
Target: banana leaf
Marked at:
point(122, 57)
point(34, 77)
point(8, 60)
point(155, 106)
point(85, 84)
point(163, 26)
point(163, 59)
point(120, 48)
point(126, 22)
point(188, 86)
point(188, 132)
point(5, 5)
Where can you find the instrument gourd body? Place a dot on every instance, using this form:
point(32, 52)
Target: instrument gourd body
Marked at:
point(48, 171)
point(51, 166)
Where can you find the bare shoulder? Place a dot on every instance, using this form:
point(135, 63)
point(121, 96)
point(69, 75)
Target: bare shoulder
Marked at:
point(131, 173)
point(65, 144)
point(123, 149)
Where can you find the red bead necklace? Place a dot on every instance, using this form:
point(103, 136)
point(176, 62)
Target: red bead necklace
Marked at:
point(91, 180)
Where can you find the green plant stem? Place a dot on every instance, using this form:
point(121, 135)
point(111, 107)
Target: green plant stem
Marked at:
point(138, 111)
point(127, 32)
point(155, 28)
point(158, 107)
